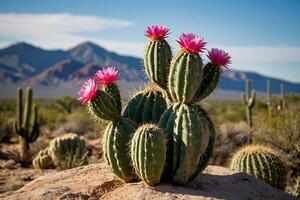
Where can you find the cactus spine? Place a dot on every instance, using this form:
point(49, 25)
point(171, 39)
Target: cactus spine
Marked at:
point(43, 160)
point(146, 106)
point(26, 125)
point(248, 99)
point(262, 163)
point(157, 60)
point(185, 76)
point(148, 153)
point(116, 147)
point(68, 151)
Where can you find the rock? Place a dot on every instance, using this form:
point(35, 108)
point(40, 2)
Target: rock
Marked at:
point(96, 181)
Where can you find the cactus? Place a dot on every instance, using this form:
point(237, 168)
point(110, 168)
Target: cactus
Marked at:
point(189, 133)
point(185, 76)
point(282, 104)
point(248, 100)
point(148, 153)
point(103, 106)
point(114, 92)
point(147, 105)
point(182, 125)
point(43, 160)
point(68, 151)
point(157, 56)
point(269, 97)
point(26, 125)
point(116, 145)
point(262, 163)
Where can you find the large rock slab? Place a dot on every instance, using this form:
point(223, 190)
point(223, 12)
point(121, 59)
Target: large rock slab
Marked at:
point(96, 181)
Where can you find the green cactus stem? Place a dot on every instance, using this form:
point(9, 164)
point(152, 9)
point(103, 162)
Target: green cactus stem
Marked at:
point(147, 105)
point(262, 163)
point(157, 60)
point(68, 151)
point(113, 90)
point(148, 153)
point(210, 80)
point(186, 141)
point(26, 125)
point(103, 106)
point(185, 76)
point(248, 100)
point(116, 147)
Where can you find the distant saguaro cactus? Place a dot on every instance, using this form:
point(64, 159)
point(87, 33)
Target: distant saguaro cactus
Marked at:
point(282, 104)
point(248, 99)
point(269, 97)
point(26, 125)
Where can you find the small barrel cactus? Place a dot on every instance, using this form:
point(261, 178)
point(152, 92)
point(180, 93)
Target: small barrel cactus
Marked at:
point(146, 106)
point(158, 55)
point(43, 160)
point(148, 153)
point(68, 151)
point(262, 163)
point(116, 145)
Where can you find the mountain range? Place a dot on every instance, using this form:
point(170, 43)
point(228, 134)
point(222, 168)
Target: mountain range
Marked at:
point(25, 64)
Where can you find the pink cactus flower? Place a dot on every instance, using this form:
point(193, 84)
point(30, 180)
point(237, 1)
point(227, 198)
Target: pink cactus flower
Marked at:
point(107, 76)
point(157, 32)
point(219, 57)
point(87, 91)
point(192, 43)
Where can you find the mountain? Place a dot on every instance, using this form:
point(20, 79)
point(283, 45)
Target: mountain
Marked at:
point(25, 64)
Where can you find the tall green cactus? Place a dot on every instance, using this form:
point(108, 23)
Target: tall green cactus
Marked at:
point(182, 124)
point(26, 125)
point(248, 99)
point(185, 76)
point(147, 105)
point(148, 153)
point(262, 163)
point(68, 151)
point(116, 147)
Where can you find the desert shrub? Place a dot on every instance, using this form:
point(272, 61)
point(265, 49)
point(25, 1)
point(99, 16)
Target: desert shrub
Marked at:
point(230, 137)
point(6, 128)
point(281, 131)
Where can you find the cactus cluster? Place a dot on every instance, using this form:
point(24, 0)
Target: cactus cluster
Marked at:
point(280, 105)
point(27, 123)
point(162, 133)
point(64, 152)
point(262, 163)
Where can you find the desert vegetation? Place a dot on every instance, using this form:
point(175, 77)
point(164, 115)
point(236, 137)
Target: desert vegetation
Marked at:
point(44, 135)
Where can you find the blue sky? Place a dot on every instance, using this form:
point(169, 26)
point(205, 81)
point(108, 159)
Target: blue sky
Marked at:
point(262, 36)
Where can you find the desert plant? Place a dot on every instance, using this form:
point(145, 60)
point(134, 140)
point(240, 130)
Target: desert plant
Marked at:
point(43, 160)
point(119, 131)
point(262, 163)
point(281, 103)
point(68, 151)
point(6, 128)
point(66, 104)
point(147, 105)
point(27, 123)
point(269, 97)
point(189, 131)
point(148, 153)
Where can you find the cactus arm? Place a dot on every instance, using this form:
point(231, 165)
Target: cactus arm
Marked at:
point(19, 111)
point(113, 90)
point(27, 109)
point(34, 134)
